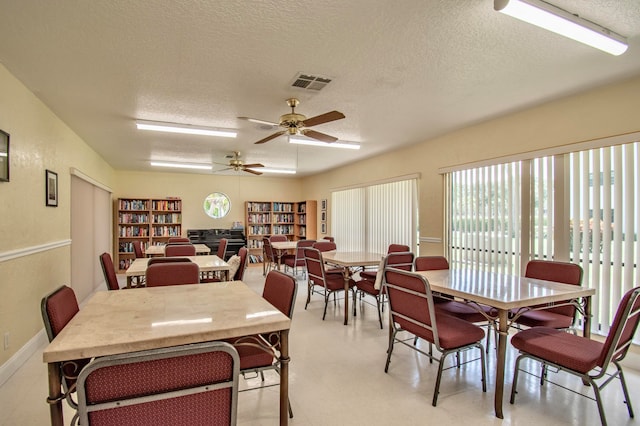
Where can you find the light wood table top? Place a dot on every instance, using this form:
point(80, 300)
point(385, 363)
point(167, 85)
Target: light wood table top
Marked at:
point(284, 245)
point(206, 263)
point(158, 250)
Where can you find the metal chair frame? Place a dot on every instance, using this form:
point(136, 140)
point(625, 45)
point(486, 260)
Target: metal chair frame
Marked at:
point(321, 282)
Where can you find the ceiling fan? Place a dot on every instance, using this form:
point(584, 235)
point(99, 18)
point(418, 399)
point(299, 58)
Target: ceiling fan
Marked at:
point(297, 124)
point(236, 164)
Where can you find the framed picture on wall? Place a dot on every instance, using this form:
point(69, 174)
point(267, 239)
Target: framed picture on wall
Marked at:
point(4, 156)
point(323, 216)
point(323, 205)
point(51, 188)
point(323, 228)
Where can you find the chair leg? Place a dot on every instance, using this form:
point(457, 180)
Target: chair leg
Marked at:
point(623, 382)
point(598, 398)
point(390, 350)
point(439, 378)
point(309, 290)
point(290, 410)
point(514, 385)
point(326, 302)
point(379, 310)
point(483, 360)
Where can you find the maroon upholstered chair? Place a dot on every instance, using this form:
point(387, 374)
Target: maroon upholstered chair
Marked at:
point(412, 310)
point(58, 308)
point(278, 238)
point(393, 248)
point(324, 245)
point(295, 261)
point(110, 277)
point(155, 260)
point(268, 259)
point(580, 356)
point(471, 313)
point(193, 384)
point(222, 248)
point(137, 249)
point(560, 317)
point(238, 274)
point(259, 352)
point(330, 281)
point(333, 240)
point(178, 240)
point(180, 250)
point(172, 273)
point(399, 260)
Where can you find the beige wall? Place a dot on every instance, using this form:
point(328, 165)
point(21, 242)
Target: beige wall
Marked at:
point(607, 111)
point(39, 141)
point(193, 188)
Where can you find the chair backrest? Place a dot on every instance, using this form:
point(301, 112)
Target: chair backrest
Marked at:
point(333, 240)
point(267, 249)
point(280, 290)
point(109, 272)
point(393, 248)
point(315, 265)
point(278, 238)
point(400, 260)
point(562, 272)
point(172, 273)
point(180, 250)
point(300, 245)
point(57, 309)
point(324, 245)
point(167, 260)
point(222, 248)
point(243, 253)
point(622, 330)
point(178, 240)
point(430, 263)
point(137, 249)
point(190, 384)
point(411, 303)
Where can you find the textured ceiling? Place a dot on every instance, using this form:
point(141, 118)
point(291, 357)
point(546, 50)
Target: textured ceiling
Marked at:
point(404, 71)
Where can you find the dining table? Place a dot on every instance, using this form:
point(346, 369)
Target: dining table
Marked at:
point(347, 260)
point(505, 293)
point(206, 263)
point(116, 322)
point(280, 248)
point(158, 250)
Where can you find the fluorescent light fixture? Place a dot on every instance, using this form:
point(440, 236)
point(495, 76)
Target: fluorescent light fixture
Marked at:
point(3, 154)
point(346, 145)
point(559, 21)
point(185, 129)
point(182, 165)
point(288, 172)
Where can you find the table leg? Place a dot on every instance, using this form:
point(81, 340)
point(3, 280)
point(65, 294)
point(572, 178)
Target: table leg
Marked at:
point(346, 295)
point(55, 394)
point(284, 377)
point(503, 333)
point(129, 280)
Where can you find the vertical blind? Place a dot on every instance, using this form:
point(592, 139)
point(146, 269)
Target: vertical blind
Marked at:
point(500, 216)
point(369, 218)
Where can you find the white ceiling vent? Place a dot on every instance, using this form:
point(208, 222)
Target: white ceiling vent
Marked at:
point(310, 82)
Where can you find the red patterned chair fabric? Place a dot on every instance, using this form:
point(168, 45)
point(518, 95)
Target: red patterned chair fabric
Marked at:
point(399, 260)
point(155, 260)
point(581, 356)
point(333, 240)
point(222, 248)
point(393, 248)
point(172, 273)
point(329, 281)
point(58, 308)
point(110, 277)
point(178, 240)
point(183, 385)
point(324, 245)
point(137, 249)
point(560, 317)
point(180, 250)
point(412, 309)
point(268, 258)
point(278, 238)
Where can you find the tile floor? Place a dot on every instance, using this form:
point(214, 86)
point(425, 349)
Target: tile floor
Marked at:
point(337, 378)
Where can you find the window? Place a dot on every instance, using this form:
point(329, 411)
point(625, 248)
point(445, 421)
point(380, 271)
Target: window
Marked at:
point(369, 218)
point(216, 205)
point(580, 206)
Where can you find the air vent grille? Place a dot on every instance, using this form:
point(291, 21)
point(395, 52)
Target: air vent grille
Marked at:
point(310, 82)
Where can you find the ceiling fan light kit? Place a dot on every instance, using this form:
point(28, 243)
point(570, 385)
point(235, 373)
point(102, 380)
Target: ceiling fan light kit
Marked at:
point(559, 21)
point(311, 142)
point(185, 129)
point(237, 165)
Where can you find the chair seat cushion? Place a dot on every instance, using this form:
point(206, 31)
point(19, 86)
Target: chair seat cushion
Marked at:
point(367, 287)
point(544, 318)
point(567, 350)
point(368, 275)
point(251, 356)
point(462, 310)
point(452, 332)
point(291, 262)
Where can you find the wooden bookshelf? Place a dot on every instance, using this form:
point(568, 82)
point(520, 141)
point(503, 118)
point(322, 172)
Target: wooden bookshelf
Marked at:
point(148, 220)
point(295, 220)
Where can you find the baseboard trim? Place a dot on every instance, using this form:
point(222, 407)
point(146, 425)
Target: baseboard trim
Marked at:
point(22, 355)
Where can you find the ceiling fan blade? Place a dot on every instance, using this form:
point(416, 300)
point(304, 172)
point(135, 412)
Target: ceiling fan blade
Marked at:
point(255, 172)
point(323, 118)
point(223, 170)
point(256, 120)
point(253, 165)
point(319, 136)
point(273, 136)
